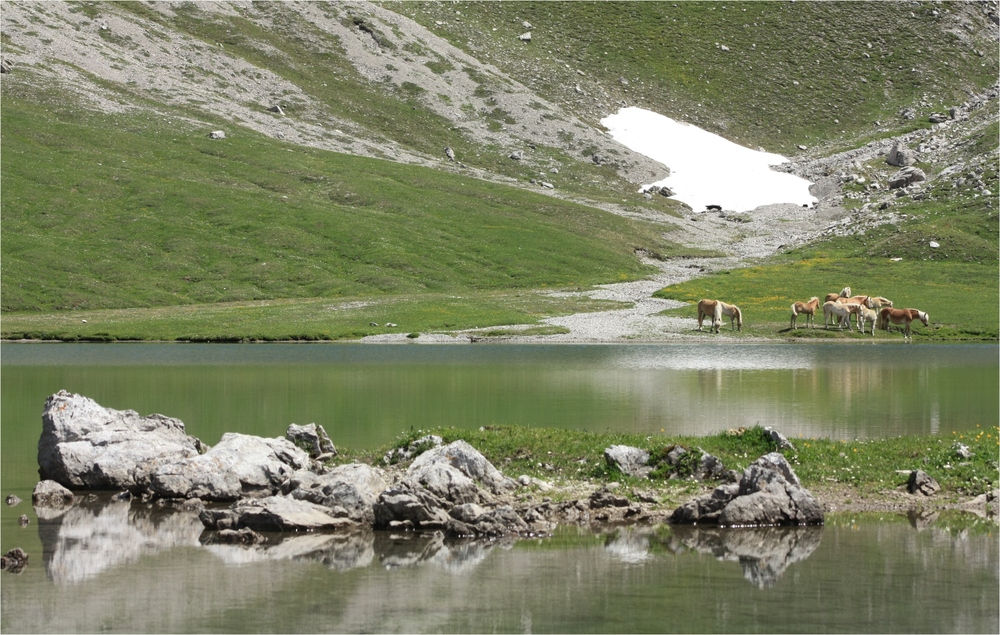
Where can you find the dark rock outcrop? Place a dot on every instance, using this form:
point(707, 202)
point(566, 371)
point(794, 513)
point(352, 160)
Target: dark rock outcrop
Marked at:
point(921, 482)
point(769, 493)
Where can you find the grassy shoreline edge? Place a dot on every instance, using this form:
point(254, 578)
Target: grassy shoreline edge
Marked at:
point(863, 475)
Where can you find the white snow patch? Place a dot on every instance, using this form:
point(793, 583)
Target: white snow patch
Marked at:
point(706, 169)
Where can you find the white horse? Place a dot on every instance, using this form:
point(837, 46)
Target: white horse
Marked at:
point(734, 314)
point(867, 315)
point(863, 300)
point(839, 312)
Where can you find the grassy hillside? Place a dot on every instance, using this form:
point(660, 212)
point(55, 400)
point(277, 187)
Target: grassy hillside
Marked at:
point(790, 73)
point(116, 212)
point(115, 200)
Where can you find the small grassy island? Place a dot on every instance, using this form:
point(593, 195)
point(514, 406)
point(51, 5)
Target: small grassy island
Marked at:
point(863, 475)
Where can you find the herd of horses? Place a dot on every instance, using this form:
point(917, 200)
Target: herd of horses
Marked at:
point(875, 311)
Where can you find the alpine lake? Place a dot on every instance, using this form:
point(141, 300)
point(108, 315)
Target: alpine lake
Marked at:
point(130, 567)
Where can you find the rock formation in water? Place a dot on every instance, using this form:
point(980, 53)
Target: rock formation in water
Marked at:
point(769, 493)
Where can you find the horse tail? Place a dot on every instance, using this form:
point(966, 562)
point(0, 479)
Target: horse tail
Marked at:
point(739, 317)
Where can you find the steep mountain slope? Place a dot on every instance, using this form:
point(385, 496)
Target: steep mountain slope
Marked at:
point(457, 97)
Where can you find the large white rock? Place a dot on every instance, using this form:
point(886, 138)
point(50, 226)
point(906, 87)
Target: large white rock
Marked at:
point(240, 465)
point(87, 446)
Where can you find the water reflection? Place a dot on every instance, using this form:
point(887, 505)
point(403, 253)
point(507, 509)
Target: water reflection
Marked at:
point(942, 577)
point(96, 535)
point(763, 553)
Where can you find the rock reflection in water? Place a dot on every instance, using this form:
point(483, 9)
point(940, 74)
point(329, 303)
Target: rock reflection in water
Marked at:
point(363, 548)
point(764, 552)
point(97, 534)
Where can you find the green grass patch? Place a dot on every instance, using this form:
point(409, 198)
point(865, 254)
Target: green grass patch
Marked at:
point(961, 298)
point(869, 465)
point(307, 319)
point(98, 215)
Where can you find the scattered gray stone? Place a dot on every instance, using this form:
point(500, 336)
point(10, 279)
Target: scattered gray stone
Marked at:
point(217, 134)
point(962, 450)
point(12, 500)
point(710, 467)
point(420, 508)
point(901, 156)
point(628, 460)
point(517, 155)
point(312, 438)
point(938, 117)
point(525, 37)
point(603, 498)
point(14, 560)
point(906, 176)
point(450, 153)
point(447, 482)
point(415, 447)
point(49, 493)
point(779, 439)
point(274, 513)
point(922, 483)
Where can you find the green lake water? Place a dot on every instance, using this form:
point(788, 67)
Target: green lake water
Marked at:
point(129, 568)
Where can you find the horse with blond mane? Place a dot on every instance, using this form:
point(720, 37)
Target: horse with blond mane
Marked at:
point(807, 309)
point(863, 300)
point(844, 293)
point(902, 316)
point(867, 315)
point(734, 314)
point(839, 311)
point(710, 308)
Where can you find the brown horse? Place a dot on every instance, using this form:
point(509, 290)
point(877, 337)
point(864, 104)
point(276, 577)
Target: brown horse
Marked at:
point(902, 316)
point(710, 308)
point(844, 293)
point(807, 309)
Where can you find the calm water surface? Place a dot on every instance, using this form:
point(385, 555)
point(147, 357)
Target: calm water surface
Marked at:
point(128, 568)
